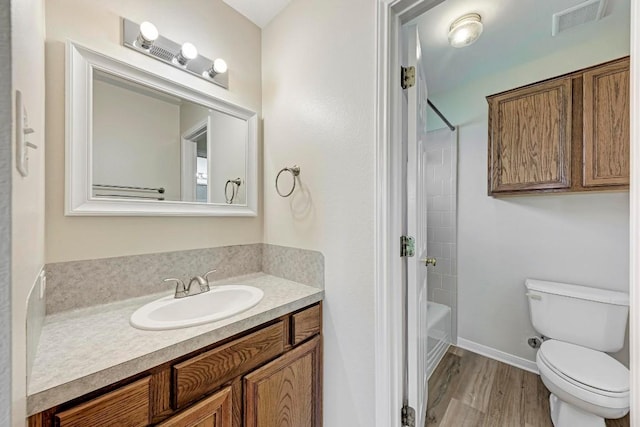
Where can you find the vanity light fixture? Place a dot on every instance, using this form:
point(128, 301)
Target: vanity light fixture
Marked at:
point(147, 35)
point(146, 39)
point(465, 30)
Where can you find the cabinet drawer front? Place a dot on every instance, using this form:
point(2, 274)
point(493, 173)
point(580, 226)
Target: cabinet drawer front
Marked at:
point(213, 411)
point(125, 407)
point(306, 323)
point(208, 371)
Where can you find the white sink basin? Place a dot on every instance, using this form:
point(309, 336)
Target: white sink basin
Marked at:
point(218, 303)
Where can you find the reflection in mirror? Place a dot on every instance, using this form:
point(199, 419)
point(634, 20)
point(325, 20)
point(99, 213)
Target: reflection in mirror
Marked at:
point(151, 145)
point(140, 144)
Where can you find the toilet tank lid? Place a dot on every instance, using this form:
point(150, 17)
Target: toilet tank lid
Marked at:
point(580, 292)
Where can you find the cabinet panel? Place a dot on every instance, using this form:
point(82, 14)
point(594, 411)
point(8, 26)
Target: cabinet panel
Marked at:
point(606, 125)
point(208, 371)
point(286, 392)
point(530, 138)
point(125, 407)
point(214, 411)
point(306, 323)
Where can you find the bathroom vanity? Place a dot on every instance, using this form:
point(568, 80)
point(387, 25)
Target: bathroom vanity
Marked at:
point(269, 371)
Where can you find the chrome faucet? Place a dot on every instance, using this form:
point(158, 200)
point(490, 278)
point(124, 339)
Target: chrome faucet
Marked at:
point(186, 291)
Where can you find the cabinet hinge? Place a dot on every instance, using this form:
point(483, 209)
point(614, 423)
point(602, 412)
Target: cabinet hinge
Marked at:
point(407, 77)
point(408, 416)
point(407, 246)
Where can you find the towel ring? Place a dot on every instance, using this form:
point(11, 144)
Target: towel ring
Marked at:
point(234, 189)
point(294, 171)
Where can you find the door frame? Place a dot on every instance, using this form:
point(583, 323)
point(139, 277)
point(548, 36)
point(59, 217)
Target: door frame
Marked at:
point(188, 164)
point(391, 14)
point(634, 193)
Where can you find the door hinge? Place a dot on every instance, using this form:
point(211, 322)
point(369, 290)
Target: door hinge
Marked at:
point(407, 77)
point(408, 416)
point(407, 246)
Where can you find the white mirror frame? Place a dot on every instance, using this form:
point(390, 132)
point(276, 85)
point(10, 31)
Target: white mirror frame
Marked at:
point(81, 62)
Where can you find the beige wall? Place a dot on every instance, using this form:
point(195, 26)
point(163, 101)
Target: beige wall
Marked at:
point(136, 140)
point(217, 31)
point(28, 210)
point(318, 105)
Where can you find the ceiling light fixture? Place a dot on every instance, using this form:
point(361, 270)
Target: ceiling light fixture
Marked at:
point(465, 30)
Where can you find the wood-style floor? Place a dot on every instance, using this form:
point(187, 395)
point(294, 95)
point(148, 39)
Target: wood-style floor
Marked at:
point(469, 390)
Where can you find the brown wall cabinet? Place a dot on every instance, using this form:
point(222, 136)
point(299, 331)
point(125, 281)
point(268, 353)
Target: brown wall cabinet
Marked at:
point(569, 133)
point(270, 376)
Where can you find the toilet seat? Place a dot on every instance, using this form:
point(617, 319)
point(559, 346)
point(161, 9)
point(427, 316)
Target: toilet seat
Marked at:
point(594, 370)
point(583, 376)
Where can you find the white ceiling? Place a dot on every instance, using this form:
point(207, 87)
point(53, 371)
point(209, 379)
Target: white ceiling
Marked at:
point(515, 32)
point(260, 12)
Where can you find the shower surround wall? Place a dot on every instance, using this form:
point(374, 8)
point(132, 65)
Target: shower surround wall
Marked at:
point(442, 164)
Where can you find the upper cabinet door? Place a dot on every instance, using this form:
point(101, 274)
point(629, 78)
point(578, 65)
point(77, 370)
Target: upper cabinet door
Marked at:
point(530, 138)
point(606, 125)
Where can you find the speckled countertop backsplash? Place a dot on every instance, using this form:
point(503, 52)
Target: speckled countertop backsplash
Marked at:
point(77, 284)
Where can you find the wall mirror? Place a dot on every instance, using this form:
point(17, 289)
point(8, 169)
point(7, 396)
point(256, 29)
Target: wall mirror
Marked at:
point(138, 144)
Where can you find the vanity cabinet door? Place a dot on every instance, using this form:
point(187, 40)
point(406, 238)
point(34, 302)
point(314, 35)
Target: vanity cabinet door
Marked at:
point(606, 125)
point(530, 138)
point(286, 392)
point(214, 411)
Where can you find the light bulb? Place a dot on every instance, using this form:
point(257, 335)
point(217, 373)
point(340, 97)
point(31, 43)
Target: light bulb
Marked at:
point(220, 66)
point(147, 35)
point(186, 54)
point(189, 51)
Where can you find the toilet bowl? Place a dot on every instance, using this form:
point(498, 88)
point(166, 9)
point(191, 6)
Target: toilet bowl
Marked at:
point(586, 385)
point(580, 324)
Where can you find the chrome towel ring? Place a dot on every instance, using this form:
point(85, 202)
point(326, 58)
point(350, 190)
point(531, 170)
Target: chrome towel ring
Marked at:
point(234, 189)
point(294, 171)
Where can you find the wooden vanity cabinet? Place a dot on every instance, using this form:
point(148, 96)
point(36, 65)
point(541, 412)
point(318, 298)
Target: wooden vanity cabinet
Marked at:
point(270, 376)
point(566, 134)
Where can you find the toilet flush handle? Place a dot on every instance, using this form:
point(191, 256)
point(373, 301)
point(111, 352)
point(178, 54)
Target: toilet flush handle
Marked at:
point(534, 296)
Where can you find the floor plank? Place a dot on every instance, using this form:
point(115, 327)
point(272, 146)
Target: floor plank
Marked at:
point(506, 398)
point(461, 415)
point(469, 390)
point(478, 376)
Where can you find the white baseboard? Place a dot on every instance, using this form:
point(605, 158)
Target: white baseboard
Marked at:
point(498, 355)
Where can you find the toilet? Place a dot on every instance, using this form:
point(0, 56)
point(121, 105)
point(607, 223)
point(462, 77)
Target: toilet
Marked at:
point(579, 324)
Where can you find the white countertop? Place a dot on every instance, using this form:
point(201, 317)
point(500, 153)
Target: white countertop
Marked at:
point(83, 350)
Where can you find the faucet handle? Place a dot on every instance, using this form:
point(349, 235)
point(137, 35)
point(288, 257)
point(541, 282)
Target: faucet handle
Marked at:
point(180, 288)
point(206, 275)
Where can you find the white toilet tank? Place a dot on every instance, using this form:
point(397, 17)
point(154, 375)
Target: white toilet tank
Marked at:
point(590, 317)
